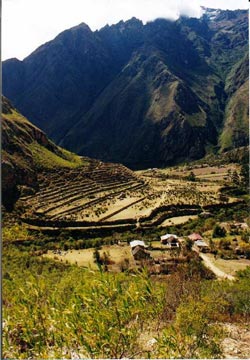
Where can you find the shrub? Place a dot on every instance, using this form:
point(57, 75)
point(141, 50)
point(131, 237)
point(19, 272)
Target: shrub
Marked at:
point(191, 176)
point(218, 231)
point(97, 257)
point(225, 244)
point(192, 334)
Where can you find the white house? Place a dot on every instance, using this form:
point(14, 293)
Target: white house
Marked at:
point(201, 245)
point(135, 243)
point(170, 240)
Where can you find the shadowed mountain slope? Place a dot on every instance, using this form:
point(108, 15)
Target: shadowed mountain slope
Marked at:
point(25, 151)
point(34, 168)
point(143, 95)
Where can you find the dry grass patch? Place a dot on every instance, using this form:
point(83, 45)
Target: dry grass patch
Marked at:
point(161, 254)
point(85, 257)
point(229, 266)
point(179, 220)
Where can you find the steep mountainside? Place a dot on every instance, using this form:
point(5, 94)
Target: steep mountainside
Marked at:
point(143, 95)
point(236, 128)
point(26, 150)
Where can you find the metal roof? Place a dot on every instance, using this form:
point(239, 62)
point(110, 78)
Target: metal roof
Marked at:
point(201, 243)
point(135, 243)
point(195, 236)
point(168, 236)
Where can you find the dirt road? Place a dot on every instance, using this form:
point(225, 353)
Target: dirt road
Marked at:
point(219, 273)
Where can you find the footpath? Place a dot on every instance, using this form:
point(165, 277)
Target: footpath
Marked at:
point(219, 273)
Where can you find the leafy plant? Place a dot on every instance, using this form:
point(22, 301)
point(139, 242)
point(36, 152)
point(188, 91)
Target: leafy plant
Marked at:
point(218, 231)
point(192, 335)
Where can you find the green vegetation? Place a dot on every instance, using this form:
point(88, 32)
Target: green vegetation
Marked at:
point(218, 231)
point(190, 85)
point(244, 175)
point(192, 334)
point(15, 115)
point(191, 176)
point(44, 158)
point(235, 132)
point(55, 310)
point(15, 232)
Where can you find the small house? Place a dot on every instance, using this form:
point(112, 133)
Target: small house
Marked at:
point(140, 253)
point(195, 237)
point(201, 245)
point(205, 215)
point(136, 243)
point(170, 239)
point(240, 226)
point(234, 226)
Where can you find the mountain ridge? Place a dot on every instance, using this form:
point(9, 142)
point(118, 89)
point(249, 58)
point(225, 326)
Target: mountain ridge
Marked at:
point(143, 95)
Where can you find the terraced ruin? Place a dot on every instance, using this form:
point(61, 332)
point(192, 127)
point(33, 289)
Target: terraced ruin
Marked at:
point(110, 196)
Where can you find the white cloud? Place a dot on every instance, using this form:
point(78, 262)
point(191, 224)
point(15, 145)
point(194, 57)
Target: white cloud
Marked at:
point(26, 24)
point(225, 4)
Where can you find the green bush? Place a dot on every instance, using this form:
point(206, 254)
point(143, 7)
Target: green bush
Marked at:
point(50, 314)
point(191, 176)
point(218, 231)
point(192, 335)
point(52, 310)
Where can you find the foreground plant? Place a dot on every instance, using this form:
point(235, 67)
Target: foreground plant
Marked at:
point(193, 333)
point(53, 310)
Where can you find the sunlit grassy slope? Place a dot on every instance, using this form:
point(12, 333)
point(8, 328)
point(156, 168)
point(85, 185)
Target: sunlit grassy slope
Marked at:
point(24, 143)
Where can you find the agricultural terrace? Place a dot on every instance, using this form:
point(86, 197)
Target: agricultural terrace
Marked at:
point(103, 195)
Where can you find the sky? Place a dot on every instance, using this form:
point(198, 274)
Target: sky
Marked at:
point(27, 24)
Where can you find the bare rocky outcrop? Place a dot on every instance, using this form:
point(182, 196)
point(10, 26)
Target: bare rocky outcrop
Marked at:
point(236, 344)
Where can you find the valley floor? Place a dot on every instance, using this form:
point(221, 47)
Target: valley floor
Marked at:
point(74, 291)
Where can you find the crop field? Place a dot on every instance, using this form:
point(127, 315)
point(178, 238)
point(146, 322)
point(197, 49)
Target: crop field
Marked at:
point(110, 195)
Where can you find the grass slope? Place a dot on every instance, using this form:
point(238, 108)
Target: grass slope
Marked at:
point(236, 129)
point(25, 150)
point(22, 137)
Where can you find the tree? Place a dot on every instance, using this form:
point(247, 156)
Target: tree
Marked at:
point(191, 176)
point(244, 175)
point(223, 198)
point(218, 231)
point(235, 178)
point(97, 257)
point(189, 244)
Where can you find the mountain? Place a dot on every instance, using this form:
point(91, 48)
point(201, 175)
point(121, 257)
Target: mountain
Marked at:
point(143, 95)
point(236, 127)
point(25, 151)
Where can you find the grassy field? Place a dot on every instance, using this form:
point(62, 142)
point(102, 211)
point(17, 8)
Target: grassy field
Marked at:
point(85, 257)
point(202, 171)
point(116, 253)
point(229, 266)
point(178, 220)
